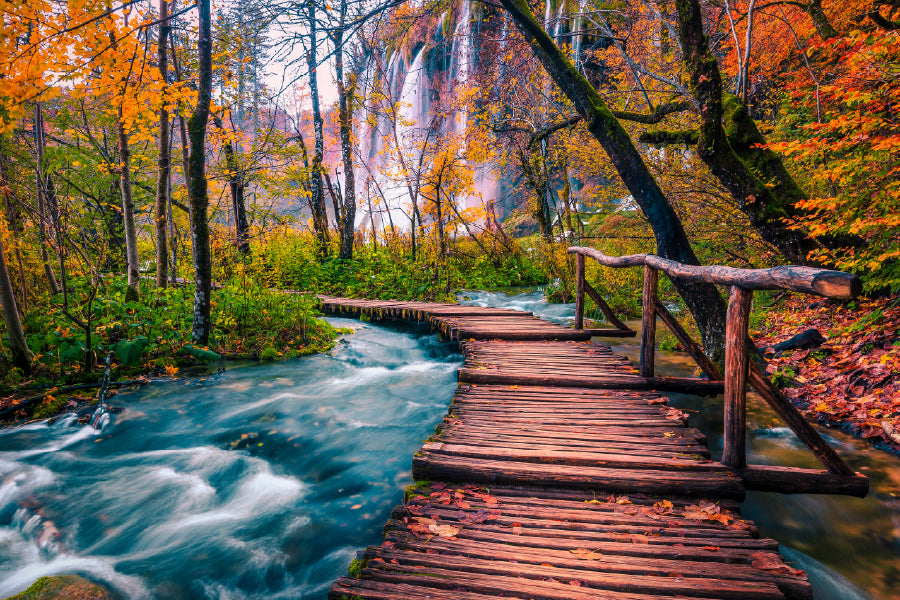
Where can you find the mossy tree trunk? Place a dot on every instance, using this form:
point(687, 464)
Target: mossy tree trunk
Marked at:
point(198, 187)
point(702, 299)
point(729, 143)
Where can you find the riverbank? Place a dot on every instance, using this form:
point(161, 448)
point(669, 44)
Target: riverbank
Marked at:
point(148, 340)
point(848, 378)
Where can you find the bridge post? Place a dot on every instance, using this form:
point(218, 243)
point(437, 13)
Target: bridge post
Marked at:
point(648, 321)
point(579, 291)
point(737, 320)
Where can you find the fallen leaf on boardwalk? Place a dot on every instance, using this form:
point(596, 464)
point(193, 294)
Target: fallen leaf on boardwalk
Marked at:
point(478, 517)
point(387, 544)
point(463, 505)
point(639, 538)
point(490, 500)
point(668, 434)
point(444, 531)
point(658, 401)
point(623, 500)
point(586, 554)
point(768, 561)
point(575, 582)
point(711, 548)
point(546, 565)
point(723, 519)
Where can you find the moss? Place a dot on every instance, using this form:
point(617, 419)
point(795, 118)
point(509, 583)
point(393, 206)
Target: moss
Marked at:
point(419, 488)
point(354, 569)
point(69, 587)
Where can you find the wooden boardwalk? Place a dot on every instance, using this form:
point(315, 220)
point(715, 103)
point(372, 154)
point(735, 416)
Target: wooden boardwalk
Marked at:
point(533, 489)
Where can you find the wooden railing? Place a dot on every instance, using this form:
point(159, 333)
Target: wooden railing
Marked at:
point(739, 368)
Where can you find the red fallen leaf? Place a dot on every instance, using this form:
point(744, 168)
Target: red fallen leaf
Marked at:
point(378, 560)
point(711, 548)
point(546, 565)
point(478, 517)
point(494, 514)
point(395, 561)
point(458, 495)
point(674, 575)
point(463, 505)
point(490, 500)
point(387, 544)
point(769, 561)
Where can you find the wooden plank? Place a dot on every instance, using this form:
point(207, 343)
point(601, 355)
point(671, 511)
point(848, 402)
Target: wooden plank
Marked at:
point(648, 322)
point(430, 467)
point(685, 385)
point(642, 584)
point(793, 480)
point(689, 345)
point(579, 291)
point(604, 307)
point(572, 457)
point(798, 423)
point(734, 452)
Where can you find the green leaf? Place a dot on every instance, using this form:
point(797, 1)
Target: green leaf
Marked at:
point(201, 354)
point(71, 350)
point(129, 351)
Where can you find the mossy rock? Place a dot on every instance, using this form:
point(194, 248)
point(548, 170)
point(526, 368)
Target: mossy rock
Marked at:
point(70, 587)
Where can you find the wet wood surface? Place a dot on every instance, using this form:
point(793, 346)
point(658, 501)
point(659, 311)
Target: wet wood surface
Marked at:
point(532, 488)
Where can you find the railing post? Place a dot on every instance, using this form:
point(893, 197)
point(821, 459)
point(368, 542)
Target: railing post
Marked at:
point(648, 321)
point(579, 290)
point(734, 453)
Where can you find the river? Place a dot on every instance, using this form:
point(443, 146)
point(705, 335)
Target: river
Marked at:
point(263, 481)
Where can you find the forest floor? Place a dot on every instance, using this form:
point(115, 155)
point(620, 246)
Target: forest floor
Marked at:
point(852, 380)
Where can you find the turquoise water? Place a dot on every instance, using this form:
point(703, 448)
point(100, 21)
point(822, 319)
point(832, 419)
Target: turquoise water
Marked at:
point(259, 482)
point(264, 481)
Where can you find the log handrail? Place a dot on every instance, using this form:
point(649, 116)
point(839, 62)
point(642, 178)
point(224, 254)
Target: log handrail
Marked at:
point(739, 369)
point(809, 280)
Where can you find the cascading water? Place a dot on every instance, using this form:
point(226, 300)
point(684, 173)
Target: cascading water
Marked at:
point(259, 482)
point(412, 86)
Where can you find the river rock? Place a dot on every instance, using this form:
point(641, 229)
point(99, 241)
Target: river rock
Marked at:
point(70, 587)
point(811, 338)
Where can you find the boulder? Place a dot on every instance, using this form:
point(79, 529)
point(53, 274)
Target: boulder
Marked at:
point(811, 338)
point(70, 587)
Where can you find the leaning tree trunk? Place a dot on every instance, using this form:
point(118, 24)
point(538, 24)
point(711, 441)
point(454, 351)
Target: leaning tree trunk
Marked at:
point(160, 215)
point(198, 188)
point(21, 355)
point(702, 299)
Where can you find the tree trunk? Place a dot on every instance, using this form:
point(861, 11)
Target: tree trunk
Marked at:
point(823, 26)
point(317, 201)
point(345, 116)
point(198, 187)
point(162, 182)
point(237, 186)
point(755, 178)
point(40, 193)
point(21, 355)
point(131, 250)
point(702, 299)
